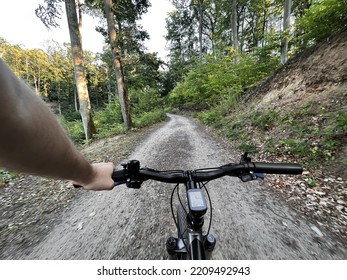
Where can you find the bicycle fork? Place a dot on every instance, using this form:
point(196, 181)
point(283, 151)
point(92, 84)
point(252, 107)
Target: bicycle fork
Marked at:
point(195, 247)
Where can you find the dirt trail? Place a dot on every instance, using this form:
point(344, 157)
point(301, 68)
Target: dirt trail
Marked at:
point(248, 221)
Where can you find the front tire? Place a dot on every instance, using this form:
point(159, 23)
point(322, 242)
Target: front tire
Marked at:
point(182, 229)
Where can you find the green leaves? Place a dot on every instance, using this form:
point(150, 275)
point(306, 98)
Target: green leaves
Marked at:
point(323, 19)
point(215, 81)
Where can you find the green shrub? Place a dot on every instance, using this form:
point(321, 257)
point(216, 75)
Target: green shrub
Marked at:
point(108, 120)
point(109, 130)
point(340, 123)
point(149, 118)
point(145, 101)
point(74, 129)
point(220, 81)
point(323, 19)
point(110, 114)
point(209, 116)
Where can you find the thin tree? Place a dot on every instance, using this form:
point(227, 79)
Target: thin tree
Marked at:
point(286, 24)
point(117, 63)
point(78, 61)
point(48, 16)
point(201, 11)
point(235, 40)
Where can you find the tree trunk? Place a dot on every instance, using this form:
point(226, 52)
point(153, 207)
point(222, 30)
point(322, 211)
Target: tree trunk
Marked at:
point(235, 40)
point(286, 23)
point(109, 91)
point(200, 28)
point(263, 30)
point(75, 99)
point(118, 68)
point(59, 104)
point(78, 61)
point(36, 86)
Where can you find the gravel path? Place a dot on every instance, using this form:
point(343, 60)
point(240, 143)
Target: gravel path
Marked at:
point(248, 221)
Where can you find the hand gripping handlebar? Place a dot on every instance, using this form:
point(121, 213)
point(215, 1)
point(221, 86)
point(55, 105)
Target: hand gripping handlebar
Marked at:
point(137, 175)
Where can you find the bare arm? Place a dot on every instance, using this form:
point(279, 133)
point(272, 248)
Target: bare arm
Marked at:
point(32, 141)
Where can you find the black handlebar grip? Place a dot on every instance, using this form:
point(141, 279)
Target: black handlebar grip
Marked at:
point(277, 168)
point(118, 175)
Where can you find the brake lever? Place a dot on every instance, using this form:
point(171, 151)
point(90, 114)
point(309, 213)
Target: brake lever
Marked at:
point(260, 176)
point(248, 177)
point(252, 176)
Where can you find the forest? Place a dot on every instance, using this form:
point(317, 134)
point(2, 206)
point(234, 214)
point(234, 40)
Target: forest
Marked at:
point(218, 50)
point(266, 77)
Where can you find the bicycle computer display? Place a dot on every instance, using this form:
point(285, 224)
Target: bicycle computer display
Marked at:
point(196, 201)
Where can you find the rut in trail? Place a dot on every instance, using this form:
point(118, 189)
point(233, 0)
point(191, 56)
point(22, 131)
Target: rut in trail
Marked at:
point(248, 222)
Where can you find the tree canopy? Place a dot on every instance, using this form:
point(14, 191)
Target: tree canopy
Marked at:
point(217, 49)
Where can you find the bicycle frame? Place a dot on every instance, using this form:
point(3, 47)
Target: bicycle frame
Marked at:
point(192, 244)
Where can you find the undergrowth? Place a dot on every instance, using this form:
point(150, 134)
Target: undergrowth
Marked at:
point(108, 121)
point(312, 133)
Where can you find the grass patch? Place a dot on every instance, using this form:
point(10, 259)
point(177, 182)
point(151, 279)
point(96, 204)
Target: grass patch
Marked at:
point(339, 124)
point(6, 176)
point(249, 148)
point(295, 146)
point(264, 120)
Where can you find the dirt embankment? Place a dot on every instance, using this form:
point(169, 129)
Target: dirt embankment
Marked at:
point(304, 106)
point(310, 72)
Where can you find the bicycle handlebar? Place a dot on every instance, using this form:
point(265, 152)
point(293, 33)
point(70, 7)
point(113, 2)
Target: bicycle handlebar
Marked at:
point(278, 168)
point(237, 170)
point(151, 174)
point(200, 175)
point(133, 175)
